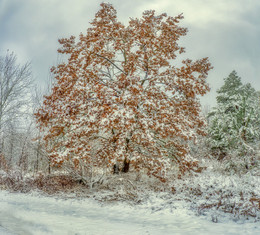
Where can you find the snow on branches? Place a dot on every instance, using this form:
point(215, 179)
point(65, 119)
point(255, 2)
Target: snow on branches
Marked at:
point(119, 98)
point(234, 124)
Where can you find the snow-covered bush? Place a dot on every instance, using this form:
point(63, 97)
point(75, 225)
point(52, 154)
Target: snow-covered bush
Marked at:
point(217, 194)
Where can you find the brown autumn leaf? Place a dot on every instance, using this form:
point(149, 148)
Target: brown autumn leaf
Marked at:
point(130, 102)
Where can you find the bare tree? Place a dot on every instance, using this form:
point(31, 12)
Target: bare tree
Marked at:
point(41, 159)
point(15, 85)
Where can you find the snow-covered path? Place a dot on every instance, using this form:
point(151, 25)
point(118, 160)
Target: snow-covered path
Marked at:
point(34, 214)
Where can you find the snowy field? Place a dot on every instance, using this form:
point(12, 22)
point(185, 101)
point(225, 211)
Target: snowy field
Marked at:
point(35, 214)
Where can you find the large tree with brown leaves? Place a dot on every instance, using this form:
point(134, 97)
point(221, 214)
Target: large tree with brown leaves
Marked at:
point(120, 99)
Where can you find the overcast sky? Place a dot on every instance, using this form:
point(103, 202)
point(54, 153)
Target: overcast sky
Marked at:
point(226, 31)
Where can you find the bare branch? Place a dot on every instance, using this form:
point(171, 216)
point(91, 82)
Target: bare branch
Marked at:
point(111, 62)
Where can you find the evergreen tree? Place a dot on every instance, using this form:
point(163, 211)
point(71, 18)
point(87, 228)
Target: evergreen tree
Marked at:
point(234, 123)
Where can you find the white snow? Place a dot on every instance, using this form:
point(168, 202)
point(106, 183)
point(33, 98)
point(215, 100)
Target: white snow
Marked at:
point(36, 214)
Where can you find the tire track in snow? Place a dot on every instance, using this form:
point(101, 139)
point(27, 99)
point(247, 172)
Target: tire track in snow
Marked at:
point(27, 214)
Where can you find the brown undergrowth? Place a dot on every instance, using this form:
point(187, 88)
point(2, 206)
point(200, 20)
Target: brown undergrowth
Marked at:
point(49, 184)
point(207, 192)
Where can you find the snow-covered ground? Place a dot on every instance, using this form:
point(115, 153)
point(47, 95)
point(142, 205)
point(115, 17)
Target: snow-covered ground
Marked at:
point(36, 214)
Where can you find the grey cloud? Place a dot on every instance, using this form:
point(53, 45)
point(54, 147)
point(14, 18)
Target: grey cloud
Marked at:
point(227, 32)
point(229, 47)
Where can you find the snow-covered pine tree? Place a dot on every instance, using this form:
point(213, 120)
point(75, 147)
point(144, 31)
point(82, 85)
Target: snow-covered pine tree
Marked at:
point(234, 123)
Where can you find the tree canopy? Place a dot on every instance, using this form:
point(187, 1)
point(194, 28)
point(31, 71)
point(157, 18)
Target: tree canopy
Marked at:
point(120, 97)
point(235, 122)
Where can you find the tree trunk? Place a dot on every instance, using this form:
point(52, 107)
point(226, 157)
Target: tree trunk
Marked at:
point(116, 169)
point(126, 165)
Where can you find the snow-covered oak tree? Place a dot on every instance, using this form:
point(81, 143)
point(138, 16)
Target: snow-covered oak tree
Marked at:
point(234, 125)
point(119, 99)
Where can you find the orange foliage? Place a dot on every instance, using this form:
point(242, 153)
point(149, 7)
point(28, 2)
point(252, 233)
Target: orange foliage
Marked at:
point(119, 95)
point(3, 163)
